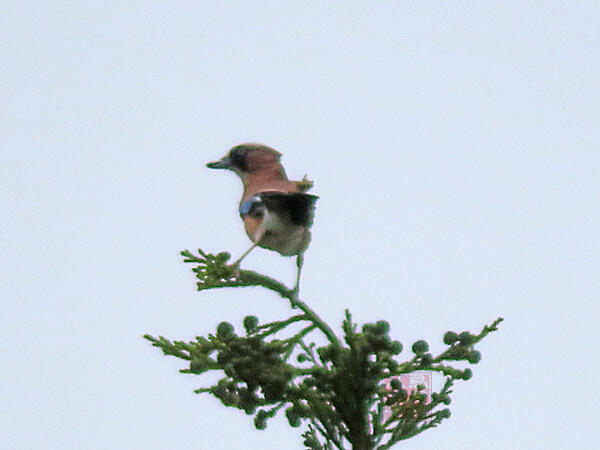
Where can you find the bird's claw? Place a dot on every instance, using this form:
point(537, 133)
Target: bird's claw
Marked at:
point(235, 270)
point(293, 296)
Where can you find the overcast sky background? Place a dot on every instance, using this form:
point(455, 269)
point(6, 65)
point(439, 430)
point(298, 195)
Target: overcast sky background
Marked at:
point(454, 147)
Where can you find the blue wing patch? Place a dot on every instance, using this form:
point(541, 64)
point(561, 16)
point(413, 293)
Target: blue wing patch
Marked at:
point(252, 207)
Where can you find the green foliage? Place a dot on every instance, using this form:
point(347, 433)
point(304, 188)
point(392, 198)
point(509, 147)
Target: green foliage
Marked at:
point(346, 392)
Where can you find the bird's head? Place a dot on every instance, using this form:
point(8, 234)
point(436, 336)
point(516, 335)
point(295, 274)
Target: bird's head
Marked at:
point(249, 159)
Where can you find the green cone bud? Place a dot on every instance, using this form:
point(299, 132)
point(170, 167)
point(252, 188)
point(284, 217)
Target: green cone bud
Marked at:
point(382, 327)
point(444, 413)
point(225, 329)
point(250, 323)
point(450, 337)
point(420, 347)
point(474, 357)
point(396, 347)
point(292, 417)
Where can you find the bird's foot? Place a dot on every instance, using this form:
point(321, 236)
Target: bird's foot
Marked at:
point(294, 297)
point(235, 269)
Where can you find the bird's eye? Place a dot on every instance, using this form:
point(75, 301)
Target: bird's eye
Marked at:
point(238, 157)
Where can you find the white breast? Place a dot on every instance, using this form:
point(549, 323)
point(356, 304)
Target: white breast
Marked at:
point(283, 236)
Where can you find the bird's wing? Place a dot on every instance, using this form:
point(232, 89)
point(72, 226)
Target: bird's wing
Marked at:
point(298, 206)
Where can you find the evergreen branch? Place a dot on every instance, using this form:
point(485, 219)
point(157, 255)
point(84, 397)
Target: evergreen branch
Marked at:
point(340, 389)
point(294, 340)
point(274, 327)
point(308, 350)
point(213, 273)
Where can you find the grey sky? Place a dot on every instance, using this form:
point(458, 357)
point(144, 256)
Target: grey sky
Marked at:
point(455, 148)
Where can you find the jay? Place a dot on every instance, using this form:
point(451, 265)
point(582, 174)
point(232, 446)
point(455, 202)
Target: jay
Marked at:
point(277, 213)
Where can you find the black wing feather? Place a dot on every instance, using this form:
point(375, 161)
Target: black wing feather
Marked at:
point(298, 206)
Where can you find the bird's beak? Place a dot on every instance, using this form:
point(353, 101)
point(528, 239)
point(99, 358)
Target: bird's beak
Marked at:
point(223, 163)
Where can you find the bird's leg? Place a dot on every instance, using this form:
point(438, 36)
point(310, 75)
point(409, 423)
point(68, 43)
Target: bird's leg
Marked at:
point(260, 233)
point(299, 263)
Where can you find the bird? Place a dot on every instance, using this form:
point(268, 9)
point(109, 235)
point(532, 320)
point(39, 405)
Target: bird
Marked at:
point(277, 212)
